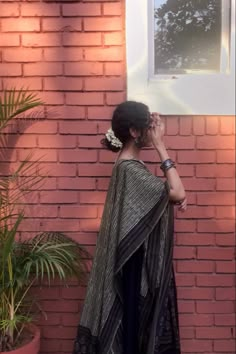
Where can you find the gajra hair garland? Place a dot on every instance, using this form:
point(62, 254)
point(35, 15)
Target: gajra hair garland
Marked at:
point(113, 139)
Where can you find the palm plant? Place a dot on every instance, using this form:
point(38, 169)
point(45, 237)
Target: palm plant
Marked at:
point(24, 263)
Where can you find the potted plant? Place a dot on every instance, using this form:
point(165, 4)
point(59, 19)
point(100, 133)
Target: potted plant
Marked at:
point(26, 262)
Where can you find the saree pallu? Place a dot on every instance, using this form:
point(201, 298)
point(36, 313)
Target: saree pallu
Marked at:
point(137, 215)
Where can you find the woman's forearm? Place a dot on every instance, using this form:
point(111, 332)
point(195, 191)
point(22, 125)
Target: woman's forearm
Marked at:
point(177, 192)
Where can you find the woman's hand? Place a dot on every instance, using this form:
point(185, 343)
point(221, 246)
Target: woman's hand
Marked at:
point(156, 129)
point(182, 205)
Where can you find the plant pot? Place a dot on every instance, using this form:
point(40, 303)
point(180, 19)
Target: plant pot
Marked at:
point(32, 347)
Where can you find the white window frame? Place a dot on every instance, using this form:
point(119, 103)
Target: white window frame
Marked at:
point(188, 94)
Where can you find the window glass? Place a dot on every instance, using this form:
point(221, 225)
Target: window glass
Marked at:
point(188, 36)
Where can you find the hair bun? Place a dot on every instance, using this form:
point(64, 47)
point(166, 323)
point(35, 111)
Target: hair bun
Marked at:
point(108, 145)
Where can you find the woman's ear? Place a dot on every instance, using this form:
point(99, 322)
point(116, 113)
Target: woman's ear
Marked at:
point(134, 133)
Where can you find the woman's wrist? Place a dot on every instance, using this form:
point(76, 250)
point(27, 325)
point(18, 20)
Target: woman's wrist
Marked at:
point(161, 149)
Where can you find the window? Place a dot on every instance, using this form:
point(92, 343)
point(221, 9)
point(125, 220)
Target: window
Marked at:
point(181, 55)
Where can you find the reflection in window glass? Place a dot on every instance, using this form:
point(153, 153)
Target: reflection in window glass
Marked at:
point(187, 36)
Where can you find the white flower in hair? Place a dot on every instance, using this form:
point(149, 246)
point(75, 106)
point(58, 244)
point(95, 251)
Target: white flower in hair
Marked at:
point(113, 139)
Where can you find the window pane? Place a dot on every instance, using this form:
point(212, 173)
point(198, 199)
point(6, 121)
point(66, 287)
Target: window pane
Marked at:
point(187, 36)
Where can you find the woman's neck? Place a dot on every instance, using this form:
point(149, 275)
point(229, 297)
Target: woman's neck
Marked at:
point(130, 151)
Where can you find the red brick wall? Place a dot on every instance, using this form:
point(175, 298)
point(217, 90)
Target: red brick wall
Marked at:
point(73, 54)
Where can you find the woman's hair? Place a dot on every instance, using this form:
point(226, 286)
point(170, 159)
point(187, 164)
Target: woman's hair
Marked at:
point(129, 114)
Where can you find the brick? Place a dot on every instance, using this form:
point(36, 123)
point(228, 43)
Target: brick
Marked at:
point(92, 197)
point(46, 154)
point(52, 320)
point(225, 346)
point(72, 112)
point(115, 98)
point(101, 170)
point(215, 142)
point(196, 156)
point(114, 38)
point(199, 346)
point(219, 198)
point(195, 266)
point(84, 98)
point(105, 54)
point(213, 332)
point(21, 25)
point(212, 125)
point(225, 267)
point(199, 184)
point(26, 142)
point(22, 55)
point(78, 155)
point(226, 156)
point(215, 307)
point(97, 113)
point(196, 212)
point(180, 142)
point(61, 225)
point(186, 306)
point(216, 253)
point(88, 141)
point(63, 84)
point(225, 294)
point(112, 9)
point(187, 332)
point(40, 9)
point(103, 24)
point(10, 69)
point(102, 184)
point(107, 156)
point(225, 212)
point(194, 240)
point(44, 211)
point(92, 225)
point(225, 184)
point(50, 346)
point(215, 280)
point(185, 225)
point(82, 39)
point(40, 39)
point(185, 125)
point(59, 332)
point(184, 252)
point(114, 69)
point(227, 125)
point(61, 24)
point(57, 142)
point(9, 40)
point(199, 125)
point(76, 183)
point(63, 54)
point(215, 170)
point(63, 197)
point(71, 319)
point(73, 293)
point(59, 169)
point(40, 127)
point(70, 212)
point(185, 280)
point(81, 10)
point(196, 320)
point(43, 69)
point(196, 293)
point(83, 69)
point(71, 127)
point(55, 98)
point(225, 320)
point(9, 10)
point(217, 226)
point(104, 84)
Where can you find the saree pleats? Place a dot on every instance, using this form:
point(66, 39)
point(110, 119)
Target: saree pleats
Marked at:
point(133, 260)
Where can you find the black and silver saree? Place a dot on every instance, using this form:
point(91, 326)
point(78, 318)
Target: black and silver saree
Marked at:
point(130, 306)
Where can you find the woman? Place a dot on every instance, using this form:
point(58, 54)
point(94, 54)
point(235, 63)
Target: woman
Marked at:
point(130, 306)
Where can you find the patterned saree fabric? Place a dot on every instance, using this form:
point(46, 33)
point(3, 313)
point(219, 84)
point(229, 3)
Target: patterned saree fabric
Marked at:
point(137, 214)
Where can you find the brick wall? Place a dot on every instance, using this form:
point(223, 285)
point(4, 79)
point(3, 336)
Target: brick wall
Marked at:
point(73, 54)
